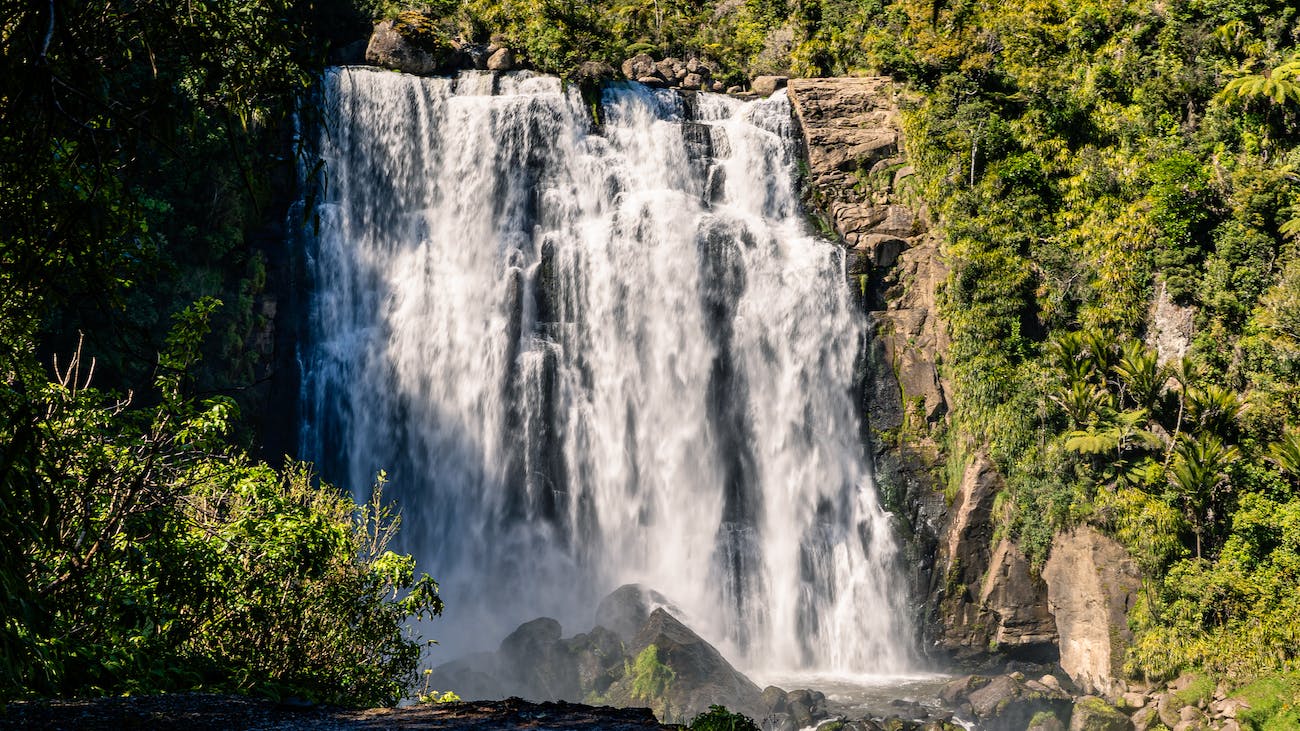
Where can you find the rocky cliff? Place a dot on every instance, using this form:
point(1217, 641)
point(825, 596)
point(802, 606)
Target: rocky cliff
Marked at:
point(981, 597)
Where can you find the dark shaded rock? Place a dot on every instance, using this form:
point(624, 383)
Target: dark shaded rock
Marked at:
point(349, 54)
point(599, 659)
point(540, 665)
point(1016, 599)
point(625, 610)
point(593, 72)
point(701, 676)
point(774, 699)
point(1008, 704)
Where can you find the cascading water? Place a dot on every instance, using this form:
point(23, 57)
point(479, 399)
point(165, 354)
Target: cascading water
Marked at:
point(588, 358)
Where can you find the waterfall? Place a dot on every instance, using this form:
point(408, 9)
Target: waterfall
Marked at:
point(588, 357)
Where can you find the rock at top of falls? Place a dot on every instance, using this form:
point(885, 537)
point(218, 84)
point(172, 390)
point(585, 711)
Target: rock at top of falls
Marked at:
point(587, 359)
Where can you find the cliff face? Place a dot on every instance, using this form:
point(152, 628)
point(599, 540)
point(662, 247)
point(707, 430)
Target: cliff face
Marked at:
point(977, 596)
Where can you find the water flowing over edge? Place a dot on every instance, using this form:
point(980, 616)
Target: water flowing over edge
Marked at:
point(593, 358)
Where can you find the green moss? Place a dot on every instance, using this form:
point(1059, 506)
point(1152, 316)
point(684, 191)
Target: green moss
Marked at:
point(650, 678)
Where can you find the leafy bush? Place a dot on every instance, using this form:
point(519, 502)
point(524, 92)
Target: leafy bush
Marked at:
point(718, 718)
point(148, 555)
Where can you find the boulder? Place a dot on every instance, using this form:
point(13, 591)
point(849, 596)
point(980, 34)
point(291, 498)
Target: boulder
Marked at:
point(773, 700)
point(1008, 704)
point(956, 691)
point(701, 677)
point(1145, 718)
point(626, 609)
point(599, 659)
point(671, 70)
point(1091, 584)
point(767, 85)
point(639, 67)
point(1045, 721)
point(503, 59)
point(539, 665)
point(1094, 714)
point(692, 82)
point(593, 72)
point(408, 43)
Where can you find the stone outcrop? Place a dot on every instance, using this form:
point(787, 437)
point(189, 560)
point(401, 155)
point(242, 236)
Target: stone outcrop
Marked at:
point(535, 662)
point(1015, 600)
point(413, 43)
point(701, 676)
point(626, 609)
point(987, 598)
point(1091, 584)
point(689, 75)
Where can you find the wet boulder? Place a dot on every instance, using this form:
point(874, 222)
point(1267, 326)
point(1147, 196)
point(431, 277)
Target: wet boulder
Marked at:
point(541, 666)
point(1008, 703)
point(700, 676)
point(626, 609)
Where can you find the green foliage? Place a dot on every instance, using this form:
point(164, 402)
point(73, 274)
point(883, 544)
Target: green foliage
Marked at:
point(718, 718)
point(148, 555)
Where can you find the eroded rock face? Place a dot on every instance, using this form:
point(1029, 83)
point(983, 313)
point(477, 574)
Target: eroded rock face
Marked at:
point(1016, 600)
point(1091, 584)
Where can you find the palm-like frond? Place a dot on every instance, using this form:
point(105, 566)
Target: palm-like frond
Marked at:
point(1213, 408)
point(1285, 452)
point(1142, 374)
point(1278, 84)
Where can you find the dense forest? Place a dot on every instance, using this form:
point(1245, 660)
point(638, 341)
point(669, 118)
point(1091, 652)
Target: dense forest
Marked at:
point(1082, 160)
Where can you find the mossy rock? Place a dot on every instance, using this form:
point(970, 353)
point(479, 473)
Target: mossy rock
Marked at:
point(423, 32)
point(1094, 714)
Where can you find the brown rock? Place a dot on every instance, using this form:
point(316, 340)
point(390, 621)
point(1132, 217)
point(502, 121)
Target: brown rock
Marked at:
point(503, 59)
point(1145, 718)
point(767, 85)
point(391, 49)
point(692, 82)
point(1017, 598)
point(1091, 583)
point(639, 66)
